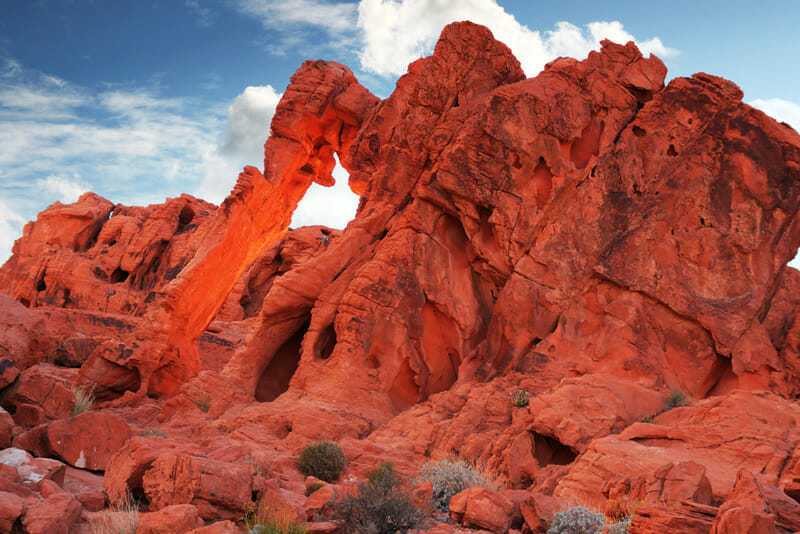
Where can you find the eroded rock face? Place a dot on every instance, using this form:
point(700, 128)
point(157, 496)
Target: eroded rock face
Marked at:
point(588, 238)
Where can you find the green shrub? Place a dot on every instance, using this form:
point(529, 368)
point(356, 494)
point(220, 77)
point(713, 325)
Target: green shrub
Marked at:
point(323, 460)
point(383, 473)
point(84, 398)
point(379, 506)
point(314, 487)
point(154, 432)
point(520, 398)
point(648, 419)
point(576, 520)
point(675, 399)
point(203, 401)
point(449, 478)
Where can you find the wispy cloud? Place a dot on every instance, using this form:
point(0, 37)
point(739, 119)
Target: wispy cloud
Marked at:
point(58, 140)
point(203, 15)
point(779, 109)
point(278, 14)
point(396, 33)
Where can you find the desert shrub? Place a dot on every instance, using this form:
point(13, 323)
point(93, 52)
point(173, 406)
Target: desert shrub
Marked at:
point(84, 398)
point(277, 519)
point(323, 460)
point(675, 399)
point(620, 527)
point(383, 473)
point(203, 401)
point(648, 419)
point(154, 432)
point(122, 518)
point(520, 398)
point(576, 520)
point(449, 478)
point(314, 487)
point(379, 506)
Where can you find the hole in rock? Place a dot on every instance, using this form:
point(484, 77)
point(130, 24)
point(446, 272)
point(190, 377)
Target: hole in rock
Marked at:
point(516, 163)
point(41, 285)
point(328, 206)
point(118, 276)
point(455, 102)
point(186, 216)
point(587, 145)
point(543, 181)
point(671, 151)
point(276, 377)
point(639, 132)
point(325, 343)
point(549, 451)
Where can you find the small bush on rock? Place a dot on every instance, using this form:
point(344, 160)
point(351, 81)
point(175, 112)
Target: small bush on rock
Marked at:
point(84, 398)
point(520, 398)
point(576, 520)
point(378, 506)
point(448, 478)
point(620, 527)
point(675, 399)
point(277, 519)
point(323, 460)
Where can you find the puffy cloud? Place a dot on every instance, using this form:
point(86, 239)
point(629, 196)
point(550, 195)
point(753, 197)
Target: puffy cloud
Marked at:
point(397, 32)
point(781, 110)
point(246, 130)
point(68, 190)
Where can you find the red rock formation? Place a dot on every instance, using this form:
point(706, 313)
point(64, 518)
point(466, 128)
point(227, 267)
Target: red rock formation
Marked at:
point(588, 236)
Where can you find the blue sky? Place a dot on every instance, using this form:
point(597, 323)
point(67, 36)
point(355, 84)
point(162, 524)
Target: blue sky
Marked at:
point(139, 101)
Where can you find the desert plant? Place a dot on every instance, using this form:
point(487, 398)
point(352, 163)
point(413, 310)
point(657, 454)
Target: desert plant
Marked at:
point(122, 518)
point(277, 519)
point(520, 398)
point(323, 460)
point(379, 506)
point(84, 398)
point(675, 399)
point(314, 487)
point(448, 478)
point(576, 520)
point(154, 432)
point(620, 527)
point(648, 419)
point(203, 401)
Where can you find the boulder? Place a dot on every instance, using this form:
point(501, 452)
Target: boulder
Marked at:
point(174, 519)
point(482, 508)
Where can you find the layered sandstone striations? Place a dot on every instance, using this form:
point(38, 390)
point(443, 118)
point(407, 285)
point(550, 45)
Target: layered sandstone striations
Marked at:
point(589, 236)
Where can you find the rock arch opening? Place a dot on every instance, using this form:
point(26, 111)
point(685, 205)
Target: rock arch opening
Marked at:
point(333, 206)
point(281, 368)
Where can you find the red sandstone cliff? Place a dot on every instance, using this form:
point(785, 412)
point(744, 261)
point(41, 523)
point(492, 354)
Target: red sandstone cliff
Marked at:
point(589, 236)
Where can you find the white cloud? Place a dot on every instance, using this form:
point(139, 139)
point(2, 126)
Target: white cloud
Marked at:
point(11, 224)
point(780, 110)
point(68, 190)
point(397, 32)
point(280, 14)
point(246, 130)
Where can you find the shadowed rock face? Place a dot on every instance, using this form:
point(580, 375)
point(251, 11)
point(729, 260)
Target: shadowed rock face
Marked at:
point(589, 235)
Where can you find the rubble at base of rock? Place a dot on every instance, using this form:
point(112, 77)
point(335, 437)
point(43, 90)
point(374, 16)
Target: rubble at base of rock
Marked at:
point(576, 282)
